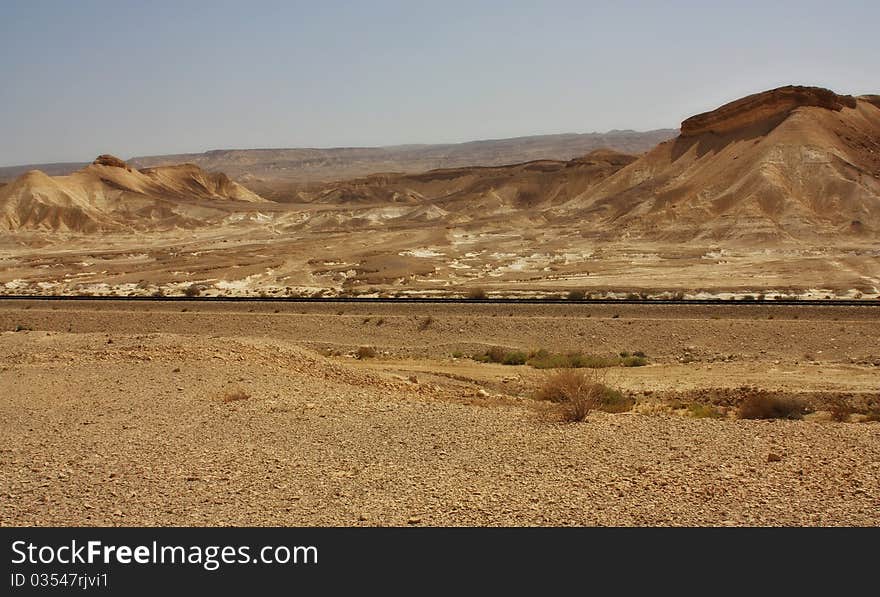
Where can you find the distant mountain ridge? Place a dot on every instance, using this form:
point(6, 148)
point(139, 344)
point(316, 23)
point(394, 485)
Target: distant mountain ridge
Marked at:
point(312, 165)
point(340, 163)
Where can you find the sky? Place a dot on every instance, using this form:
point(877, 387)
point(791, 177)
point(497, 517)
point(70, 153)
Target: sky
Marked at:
point(82, 77)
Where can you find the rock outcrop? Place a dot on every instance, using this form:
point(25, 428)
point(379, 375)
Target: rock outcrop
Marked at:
point(768, 106)
point(110, 160)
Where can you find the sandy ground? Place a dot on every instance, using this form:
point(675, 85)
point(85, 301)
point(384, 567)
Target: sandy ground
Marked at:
point(114, 414)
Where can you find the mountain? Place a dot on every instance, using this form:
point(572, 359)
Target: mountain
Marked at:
point(525, 185)
point(260, 166)
point(263, 169)
point(789, 163)
point(9, 173)
point(111, 195)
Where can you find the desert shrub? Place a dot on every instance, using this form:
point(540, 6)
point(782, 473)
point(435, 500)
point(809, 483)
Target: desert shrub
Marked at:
point(839, 408)
point(576, 295)
point(498, 354)
point(540, 353)
point(763, 405)
point(543, 359)
point(457, 354)
point(365, 352)
point(640, 354)
point(514, 358)
point(22, 328)
point(426, 323)
point(380, 321)
point(477, 294)
point(576, 393)
point(872, 415)
point(703, 411)
point(495, 354)
point(193, 290)
point(235, 396)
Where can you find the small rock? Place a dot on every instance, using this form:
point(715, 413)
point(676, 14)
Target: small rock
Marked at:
point(482, 393)
point(413, 520)
point(773, 457)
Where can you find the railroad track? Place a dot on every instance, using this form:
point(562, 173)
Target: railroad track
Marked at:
point(429, 300)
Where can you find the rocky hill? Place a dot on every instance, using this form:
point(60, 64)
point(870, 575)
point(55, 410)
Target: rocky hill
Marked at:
point(790, 163)
point(109, 194)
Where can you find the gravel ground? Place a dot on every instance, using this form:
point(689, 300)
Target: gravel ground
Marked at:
point(133, 429)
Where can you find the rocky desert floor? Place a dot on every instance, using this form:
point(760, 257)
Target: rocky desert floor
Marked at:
point(207, 413)
point(268, 251)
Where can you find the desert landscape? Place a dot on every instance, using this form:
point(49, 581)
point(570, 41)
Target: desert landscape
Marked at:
point(288, 411)
point(774, 194)
point(275, 414)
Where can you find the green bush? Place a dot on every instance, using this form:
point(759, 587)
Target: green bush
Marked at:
point(497, 354)
point(514, 358)
point(633, 361)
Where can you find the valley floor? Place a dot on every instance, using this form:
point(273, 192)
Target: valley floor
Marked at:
point(257, 414)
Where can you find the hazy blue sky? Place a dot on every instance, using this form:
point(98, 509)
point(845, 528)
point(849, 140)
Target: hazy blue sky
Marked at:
point(132, 78)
